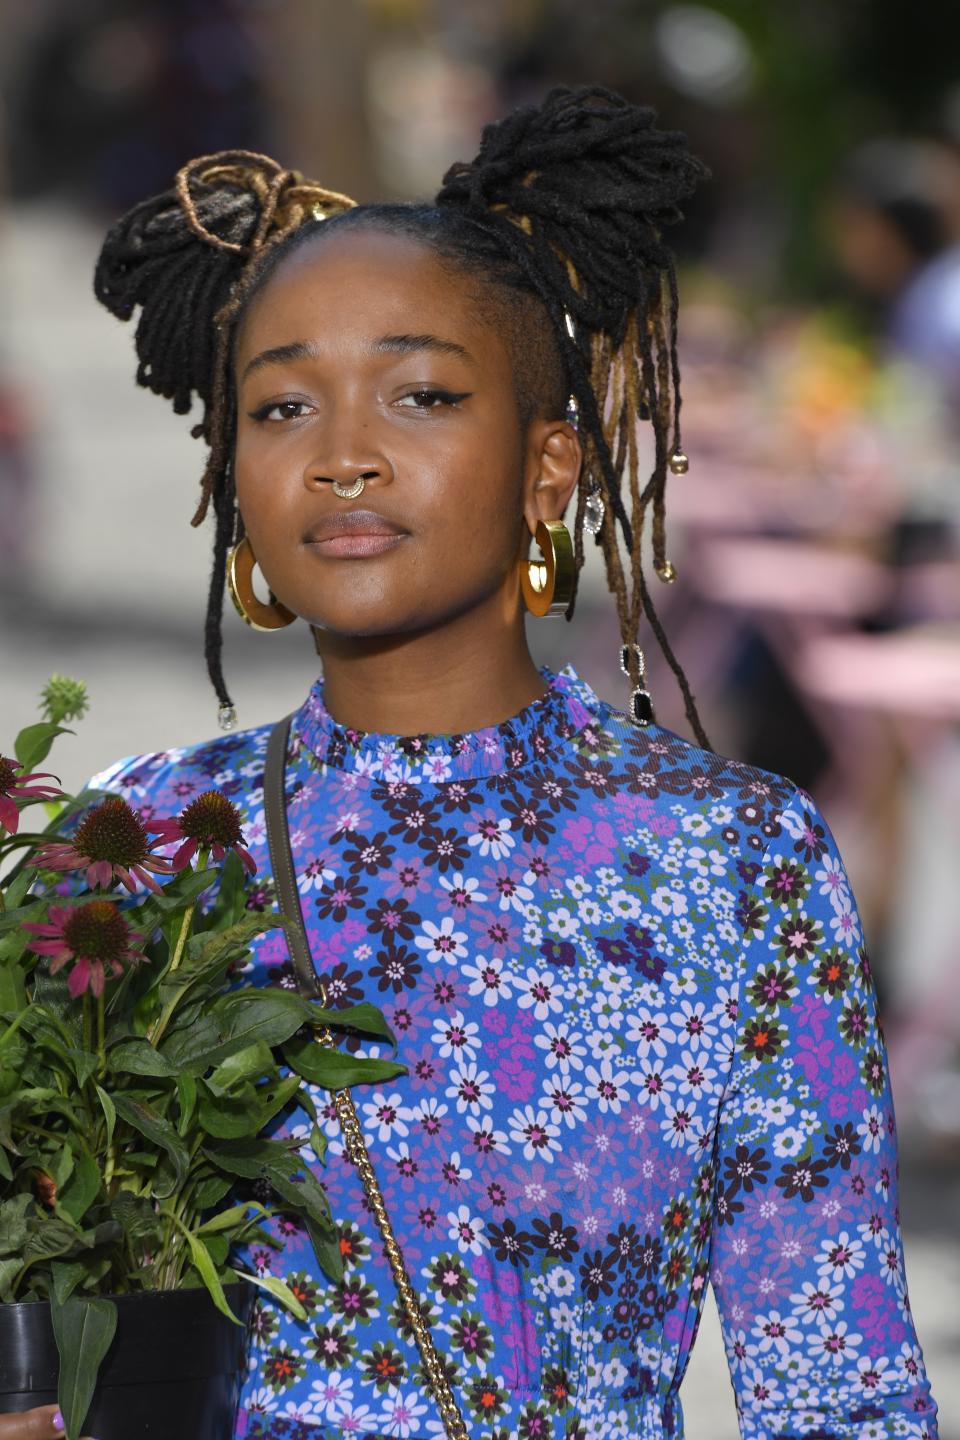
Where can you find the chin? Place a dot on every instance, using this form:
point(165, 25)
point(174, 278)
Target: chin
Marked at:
point(372, 625)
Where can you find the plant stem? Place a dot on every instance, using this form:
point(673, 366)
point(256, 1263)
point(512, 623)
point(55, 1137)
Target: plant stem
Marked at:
point(181, 939)
point(101, 1043)
point(87, 1023)
point(160, 1024)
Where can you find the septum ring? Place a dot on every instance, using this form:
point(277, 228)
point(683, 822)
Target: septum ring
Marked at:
point(351, 491)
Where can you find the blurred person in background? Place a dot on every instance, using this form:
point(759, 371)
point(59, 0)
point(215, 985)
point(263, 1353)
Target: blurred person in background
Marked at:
point(896, 233)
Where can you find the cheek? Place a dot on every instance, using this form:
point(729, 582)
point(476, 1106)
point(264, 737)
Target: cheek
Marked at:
point(476, 496)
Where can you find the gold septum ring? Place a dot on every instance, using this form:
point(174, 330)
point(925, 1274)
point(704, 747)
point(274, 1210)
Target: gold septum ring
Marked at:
point(351, 491)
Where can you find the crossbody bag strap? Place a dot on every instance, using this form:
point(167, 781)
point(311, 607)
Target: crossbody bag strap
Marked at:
point(310, 984)
point(281, 860)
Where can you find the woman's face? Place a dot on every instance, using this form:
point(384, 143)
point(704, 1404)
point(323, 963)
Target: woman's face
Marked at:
point(365, 355)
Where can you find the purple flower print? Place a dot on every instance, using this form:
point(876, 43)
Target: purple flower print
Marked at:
point(515, 1073)
point(591, 842)
point(814, 1055)
point(868, 1294)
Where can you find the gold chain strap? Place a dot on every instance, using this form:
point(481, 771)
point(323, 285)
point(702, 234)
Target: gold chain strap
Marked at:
point(309, 983)
point(356, 1148)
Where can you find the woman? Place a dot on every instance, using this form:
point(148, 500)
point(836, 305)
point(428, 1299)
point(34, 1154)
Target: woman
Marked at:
point(627, 976)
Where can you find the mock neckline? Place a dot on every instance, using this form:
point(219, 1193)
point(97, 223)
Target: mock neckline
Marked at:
point(534, 733)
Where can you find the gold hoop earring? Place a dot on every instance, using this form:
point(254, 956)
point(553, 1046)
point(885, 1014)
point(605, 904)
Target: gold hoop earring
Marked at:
point(547, 584)
point(259, 616)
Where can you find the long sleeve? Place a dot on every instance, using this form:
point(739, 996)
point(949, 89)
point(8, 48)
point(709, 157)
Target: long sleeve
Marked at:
point(807, 1261)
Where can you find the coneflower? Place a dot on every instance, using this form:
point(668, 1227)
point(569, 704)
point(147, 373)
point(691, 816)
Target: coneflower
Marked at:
point(210, 823)
point(93, 939)
point(111, 843)
point(14, 787)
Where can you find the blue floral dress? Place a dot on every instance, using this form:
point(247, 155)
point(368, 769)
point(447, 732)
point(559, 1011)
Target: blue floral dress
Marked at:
point(629, 981)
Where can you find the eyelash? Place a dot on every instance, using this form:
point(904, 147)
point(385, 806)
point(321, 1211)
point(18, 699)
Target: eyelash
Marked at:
point(442, 397)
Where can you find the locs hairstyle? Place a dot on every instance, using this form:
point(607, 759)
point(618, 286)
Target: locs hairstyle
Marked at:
point(564, 204)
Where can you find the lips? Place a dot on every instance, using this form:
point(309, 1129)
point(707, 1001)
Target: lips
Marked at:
point(354, 534)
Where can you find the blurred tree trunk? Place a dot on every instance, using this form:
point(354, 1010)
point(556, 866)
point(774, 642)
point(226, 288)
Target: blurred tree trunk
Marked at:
point(314, 75)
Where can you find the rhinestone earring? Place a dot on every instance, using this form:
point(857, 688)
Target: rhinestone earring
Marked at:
point(593, 509)
point(641, 706)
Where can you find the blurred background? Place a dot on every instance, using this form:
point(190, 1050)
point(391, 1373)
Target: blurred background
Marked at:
point(816, 536)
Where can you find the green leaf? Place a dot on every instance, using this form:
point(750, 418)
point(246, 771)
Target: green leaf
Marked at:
point(190, 1049)
point(305, 1195)
point(137, 1218)
point(50, 1235)
point(66, 1277)
point(210, 1192)
point(333, 1069)
point(178, 893)
point(264, 1013)
point(17, 889)
point(326, 1247)
point(234, 1218)
point(33, 743)
point(138, 1114)
point(9, 1270)
point(278, 1289)
point(13, 1224)
point(231, 901)
point(230, 1117)
point(60, 1166)
point(187, 1097)
point(13, 994)
point(84, 1330)
point(109, 1113)
point(211, 948)
point(246, 1064)
point(83, 1187)
point(365, 1018)
point(206, 1269)
point(138, 1057)
point(251, 1159)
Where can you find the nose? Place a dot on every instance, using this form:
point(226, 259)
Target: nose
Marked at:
point(345, 473)
point(344, 454)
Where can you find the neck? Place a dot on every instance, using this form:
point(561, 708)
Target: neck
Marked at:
point(460, 677)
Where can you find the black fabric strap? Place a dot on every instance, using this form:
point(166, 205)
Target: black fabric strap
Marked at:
point(281, 860)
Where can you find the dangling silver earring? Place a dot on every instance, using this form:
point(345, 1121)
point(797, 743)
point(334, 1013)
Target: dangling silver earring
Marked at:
point(593, 509)
point(641, 705)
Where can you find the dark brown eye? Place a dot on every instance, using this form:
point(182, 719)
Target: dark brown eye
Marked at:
point(429, 399)
point(279, 410)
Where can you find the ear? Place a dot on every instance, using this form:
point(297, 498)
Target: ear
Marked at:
point(551, 471)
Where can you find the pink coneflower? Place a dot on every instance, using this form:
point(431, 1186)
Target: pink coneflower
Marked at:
point(93, 938)
point(15, 787)
point(210, 822)
point(111, 843)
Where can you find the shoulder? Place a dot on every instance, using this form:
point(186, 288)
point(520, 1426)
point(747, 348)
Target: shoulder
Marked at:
point(161, 782)
point(665, 766)
point(654, 784)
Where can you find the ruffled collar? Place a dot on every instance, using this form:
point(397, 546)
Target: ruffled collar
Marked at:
point(535, 733)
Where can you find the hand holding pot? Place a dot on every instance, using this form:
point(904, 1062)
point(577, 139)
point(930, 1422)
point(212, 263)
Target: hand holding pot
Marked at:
point(43, 1423)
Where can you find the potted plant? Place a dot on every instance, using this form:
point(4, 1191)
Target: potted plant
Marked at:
point(140, 1083)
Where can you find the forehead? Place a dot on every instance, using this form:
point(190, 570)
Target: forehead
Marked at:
point(351, 286)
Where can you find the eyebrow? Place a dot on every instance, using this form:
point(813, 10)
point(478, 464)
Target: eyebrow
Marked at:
point(280, 355)
point(386, 345)
point(408, 344)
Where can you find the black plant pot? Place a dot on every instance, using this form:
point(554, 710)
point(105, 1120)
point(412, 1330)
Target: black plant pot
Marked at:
point(173, 1371)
